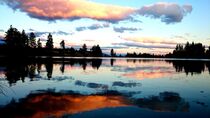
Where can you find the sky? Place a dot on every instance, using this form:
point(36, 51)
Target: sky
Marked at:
point(143, 26)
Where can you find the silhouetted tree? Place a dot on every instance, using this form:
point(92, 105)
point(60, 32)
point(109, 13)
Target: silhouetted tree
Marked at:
point(25, 40)
point(39, 44)
point(83, 50)
point(208, 53)
point(62, 44)
point(49, 43)
point(32, 40)
point(13, 38)
point(72, 51)
point(112, 53)
point(96, 51)
point(193, 50)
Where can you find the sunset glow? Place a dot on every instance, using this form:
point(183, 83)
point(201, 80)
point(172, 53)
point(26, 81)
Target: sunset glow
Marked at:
point(70, 104)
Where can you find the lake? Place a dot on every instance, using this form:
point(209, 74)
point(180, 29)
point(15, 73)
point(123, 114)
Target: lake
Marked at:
point(105, 87)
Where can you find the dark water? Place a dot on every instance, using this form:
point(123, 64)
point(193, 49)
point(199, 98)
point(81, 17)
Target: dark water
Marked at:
point(125, 88)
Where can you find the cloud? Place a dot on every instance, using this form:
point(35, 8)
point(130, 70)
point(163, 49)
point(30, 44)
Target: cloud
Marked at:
point(40, 33)
point(131, 19)
point(123, 29)
point(167, 12)
point(31, 30)
point(81, 28)
point(62, 33)
point(93, 27)
point(151, 40)
point(113, 47)
point(184, 37)
point(70, 9)
point(140, 45)
point(52, 10)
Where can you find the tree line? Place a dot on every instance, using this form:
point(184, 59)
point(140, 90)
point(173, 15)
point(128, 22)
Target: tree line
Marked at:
point(21, 43)
point(17, 41)
point(190, 50)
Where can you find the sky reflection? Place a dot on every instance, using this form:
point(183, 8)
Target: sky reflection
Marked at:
point(58, 87)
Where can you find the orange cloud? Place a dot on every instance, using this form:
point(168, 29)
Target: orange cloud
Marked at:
point(151, 40)
point(43, 105)
point(140, 75)
point(66, 9)
point(75, 9)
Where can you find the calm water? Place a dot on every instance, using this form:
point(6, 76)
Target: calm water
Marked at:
point(80, 88)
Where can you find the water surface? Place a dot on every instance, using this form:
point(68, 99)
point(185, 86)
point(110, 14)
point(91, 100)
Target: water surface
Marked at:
point(104, 87)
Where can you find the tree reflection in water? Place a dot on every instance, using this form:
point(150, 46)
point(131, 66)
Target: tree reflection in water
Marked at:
point(18, 70)
point(189, 67)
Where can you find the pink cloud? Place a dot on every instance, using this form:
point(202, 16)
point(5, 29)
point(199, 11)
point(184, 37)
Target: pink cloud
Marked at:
point(76, 9)
point(72, 9)
point(151, 40)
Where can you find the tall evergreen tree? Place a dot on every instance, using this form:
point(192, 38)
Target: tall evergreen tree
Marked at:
point(49, 43)
point(13, 37)
point(112, 53)
point(84, 48)
point(25, 40)
point(32, 40)
point(62, 44)
point(39, 44)
point(96, 51)
point(208, 52)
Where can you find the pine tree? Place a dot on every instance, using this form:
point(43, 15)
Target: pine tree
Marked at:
point(49, 43)
point(32, 40)
point(112, 53)
point(25, 40)
point(39, 44)
point(62, 44)
point(13, 37)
